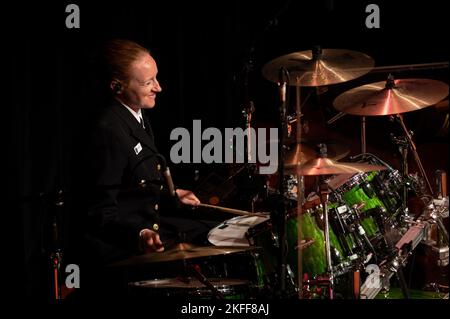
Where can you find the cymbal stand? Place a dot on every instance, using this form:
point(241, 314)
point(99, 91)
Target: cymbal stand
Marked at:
point(300, 189)
point(56, 254)
point(324, 192)
point(403, 149)
point(196, 271)
point(413, 147)
point(363, 135)
point(247, 113)
point(280, 219)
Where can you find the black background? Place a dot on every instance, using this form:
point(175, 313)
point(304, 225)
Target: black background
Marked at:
point(201, 48)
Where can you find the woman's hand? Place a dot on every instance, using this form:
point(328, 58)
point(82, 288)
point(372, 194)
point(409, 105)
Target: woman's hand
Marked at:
point(187, 197)
point(150, 241)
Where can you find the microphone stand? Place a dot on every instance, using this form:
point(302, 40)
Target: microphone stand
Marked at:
point(56, 254)
point(281, 211)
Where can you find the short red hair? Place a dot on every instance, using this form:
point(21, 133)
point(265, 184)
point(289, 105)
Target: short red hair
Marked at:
point(119, 55)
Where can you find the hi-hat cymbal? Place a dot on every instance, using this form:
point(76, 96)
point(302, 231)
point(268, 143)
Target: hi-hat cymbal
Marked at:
point(180, 252)
point(297, 155)
point(391, 97)
point(319, 67)
point(326, 166)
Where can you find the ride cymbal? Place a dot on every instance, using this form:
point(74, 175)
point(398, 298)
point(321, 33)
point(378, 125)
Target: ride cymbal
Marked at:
point(391, 97)
point(319, 67)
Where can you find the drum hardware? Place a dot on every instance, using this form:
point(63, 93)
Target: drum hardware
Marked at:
point(53, 204)
point(387, 269)
point(356, 284)
point(196, 271)
point(435, 245)
point(362, 233)
point(247, 113)
point(412, 145)
point(363, 134)
point(371, 158)
point(403, 149)
point(280, 212)
point(434, 214)
point(57, 255)
point(400, 252)
point(320, 282)
point(324, 197)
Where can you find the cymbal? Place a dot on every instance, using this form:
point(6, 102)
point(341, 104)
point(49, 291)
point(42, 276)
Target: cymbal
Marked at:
point(442, 106)
point(391, 97)
point(319, 67)
point(181, 252)
point(293, 157)
point(326, 166)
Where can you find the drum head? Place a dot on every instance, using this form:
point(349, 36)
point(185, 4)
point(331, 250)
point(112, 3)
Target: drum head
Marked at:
point(233, 232)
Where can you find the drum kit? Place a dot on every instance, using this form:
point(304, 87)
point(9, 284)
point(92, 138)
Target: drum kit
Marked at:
point(355, 216)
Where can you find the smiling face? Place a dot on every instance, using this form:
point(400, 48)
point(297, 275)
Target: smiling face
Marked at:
point(141, 87)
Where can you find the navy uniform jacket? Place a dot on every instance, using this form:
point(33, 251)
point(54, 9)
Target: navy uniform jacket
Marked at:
point(124, 185)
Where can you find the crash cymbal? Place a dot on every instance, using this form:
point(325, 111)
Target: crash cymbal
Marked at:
point(326, 166)
point(180, 252)
point(391, 97)
point(319, 67)
point(293, 157)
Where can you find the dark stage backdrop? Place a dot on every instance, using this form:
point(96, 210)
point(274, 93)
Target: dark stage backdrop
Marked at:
point(203, 49)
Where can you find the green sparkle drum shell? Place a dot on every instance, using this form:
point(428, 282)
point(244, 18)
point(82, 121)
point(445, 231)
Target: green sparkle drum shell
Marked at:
point(354, 193)
point(313, 256)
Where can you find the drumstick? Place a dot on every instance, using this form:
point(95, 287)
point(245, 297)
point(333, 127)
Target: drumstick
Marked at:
point(232, 211)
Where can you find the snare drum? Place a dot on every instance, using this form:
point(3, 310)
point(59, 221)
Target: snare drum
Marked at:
point(189, 288)
point(241, 231)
